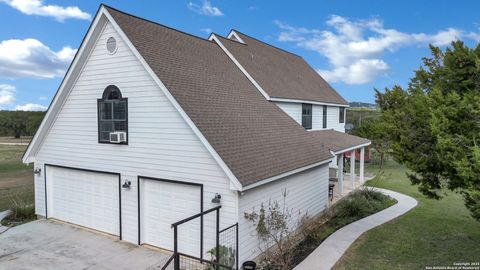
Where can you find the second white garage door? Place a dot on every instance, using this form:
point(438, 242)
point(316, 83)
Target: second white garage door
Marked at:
point(163, 203)
point(85, 198)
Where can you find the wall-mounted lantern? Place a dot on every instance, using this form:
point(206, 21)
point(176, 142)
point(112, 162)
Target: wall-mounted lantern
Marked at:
point(216, 198)
point(126, 184)
point(37, 171)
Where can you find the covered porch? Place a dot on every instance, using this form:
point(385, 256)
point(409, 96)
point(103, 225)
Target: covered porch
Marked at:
point(347, 150)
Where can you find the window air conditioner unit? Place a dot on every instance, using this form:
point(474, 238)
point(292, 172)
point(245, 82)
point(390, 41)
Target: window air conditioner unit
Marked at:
point(118, 137)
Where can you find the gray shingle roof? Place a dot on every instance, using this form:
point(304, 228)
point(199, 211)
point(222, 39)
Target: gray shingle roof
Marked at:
point(337, 141)
point(280, 73)
point(252, 135)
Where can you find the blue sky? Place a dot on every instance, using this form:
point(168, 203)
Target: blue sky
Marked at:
point(355, 45)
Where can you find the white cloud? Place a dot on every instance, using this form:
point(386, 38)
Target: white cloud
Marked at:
point(362, 71)
point(207, 30)
point(31, 58)
point(37, 7)
point(354, 48)
point(7, 94)
point(30, 107)
point(205, 9)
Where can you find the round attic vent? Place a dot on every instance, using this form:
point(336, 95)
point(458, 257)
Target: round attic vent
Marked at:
point(111, 45)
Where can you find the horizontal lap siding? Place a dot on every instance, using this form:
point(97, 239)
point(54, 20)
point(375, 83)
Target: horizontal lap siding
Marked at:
point(294, 110)
point(161, 144)
point(333, 119)
point(306, 192)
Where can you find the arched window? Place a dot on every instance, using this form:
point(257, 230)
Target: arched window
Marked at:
point(112, 114)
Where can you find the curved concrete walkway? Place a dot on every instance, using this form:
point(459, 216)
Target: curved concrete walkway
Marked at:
point(331, 250)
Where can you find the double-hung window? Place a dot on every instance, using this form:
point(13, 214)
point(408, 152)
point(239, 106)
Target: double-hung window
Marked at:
point(112, 114)
point(307, 116)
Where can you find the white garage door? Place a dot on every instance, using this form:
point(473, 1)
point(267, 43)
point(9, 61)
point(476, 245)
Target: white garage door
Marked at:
point(163, 203)
point(89, 199)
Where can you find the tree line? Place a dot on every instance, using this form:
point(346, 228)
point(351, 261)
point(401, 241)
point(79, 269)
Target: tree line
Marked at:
point(19, 123)
point(432, 126)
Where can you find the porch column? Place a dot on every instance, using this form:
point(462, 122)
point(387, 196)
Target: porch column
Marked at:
point(340, 173)
point(352, 168)
point(362, 165)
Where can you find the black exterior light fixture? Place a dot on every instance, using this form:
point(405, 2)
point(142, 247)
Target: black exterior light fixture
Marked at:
point(37, 171)
point(216, 198)
point(126, 184)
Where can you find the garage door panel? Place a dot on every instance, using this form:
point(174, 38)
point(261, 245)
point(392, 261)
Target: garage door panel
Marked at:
point(85, 198)
point(163, 203)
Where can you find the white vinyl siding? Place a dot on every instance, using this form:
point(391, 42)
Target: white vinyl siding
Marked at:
point(294, 110)
point(306, 192)
point(161, 143)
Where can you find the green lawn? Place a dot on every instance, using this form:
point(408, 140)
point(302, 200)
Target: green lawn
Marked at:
point(16, 179)
point(435, 233)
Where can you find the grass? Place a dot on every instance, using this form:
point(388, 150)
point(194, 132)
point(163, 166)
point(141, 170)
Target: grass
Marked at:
point(435, 233)
point(16, 179)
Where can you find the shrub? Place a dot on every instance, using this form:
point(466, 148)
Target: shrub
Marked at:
point(275, 224)
point(227, 256)
point(22, 211)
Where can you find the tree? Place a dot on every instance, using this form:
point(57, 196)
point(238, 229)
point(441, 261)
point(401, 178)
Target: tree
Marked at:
point(19, 123)
point(15, 123)
point(434, 124)
point(374, 129)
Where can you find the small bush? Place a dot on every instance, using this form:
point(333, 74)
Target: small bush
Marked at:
point(22, 211)
point(227, 256)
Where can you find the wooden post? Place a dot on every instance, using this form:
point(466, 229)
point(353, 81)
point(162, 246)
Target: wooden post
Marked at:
point(362, 165)
point(352, 168)
point(340, 173)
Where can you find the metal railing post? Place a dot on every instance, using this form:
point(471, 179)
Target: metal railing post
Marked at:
point(217, 250)
point(176, 259)
point(237, 244)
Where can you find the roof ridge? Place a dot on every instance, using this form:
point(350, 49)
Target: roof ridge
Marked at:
point(154, 22)
point(268, 44)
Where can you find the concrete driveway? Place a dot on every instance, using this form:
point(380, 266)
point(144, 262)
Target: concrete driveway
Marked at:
point(47, 244)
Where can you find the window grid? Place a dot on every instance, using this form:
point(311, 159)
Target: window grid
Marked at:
point(112, 114)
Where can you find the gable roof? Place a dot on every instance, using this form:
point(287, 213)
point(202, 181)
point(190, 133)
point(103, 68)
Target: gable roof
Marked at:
point(254, 138)
point(338, 142)
point(281, 74)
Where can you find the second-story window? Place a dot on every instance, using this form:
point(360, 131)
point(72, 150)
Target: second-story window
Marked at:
point(112, 114)
point(324, 116)
point(307, 116)
point(342, 115)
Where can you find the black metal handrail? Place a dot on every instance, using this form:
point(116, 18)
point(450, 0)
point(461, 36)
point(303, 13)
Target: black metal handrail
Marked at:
point(196, 216)
point(176, 254)
point(168, 262)
point(217, 264)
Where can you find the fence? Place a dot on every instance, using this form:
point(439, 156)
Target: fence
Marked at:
point(225, 253)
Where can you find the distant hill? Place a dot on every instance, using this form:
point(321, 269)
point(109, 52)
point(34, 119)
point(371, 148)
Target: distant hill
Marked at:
point(357, 104)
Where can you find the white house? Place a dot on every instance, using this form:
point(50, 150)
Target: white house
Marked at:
point(152, 125)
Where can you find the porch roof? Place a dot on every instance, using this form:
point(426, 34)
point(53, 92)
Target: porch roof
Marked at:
point(338, 142)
